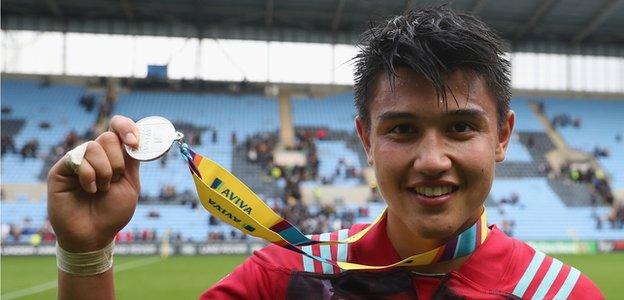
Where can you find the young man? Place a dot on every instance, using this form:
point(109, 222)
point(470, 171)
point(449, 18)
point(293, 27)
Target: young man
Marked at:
point(432, 94)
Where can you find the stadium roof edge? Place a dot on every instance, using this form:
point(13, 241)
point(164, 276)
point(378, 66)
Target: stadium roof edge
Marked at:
point(319, 90)
point(553, 26)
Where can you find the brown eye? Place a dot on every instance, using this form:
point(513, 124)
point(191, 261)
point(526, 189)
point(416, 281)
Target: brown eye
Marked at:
point(461, 127)
point(402, 129)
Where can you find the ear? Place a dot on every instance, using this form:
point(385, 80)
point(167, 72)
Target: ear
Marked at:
point(504, 134)
point(364, 138)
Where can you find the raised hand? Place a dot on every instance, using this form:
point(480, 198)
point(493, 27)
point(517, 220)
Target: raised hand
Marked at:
point(87, 207)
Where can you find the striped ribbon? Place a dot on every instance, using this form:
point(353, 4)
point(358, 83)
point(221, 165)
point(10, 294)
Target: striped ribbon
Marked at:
point(229, 199)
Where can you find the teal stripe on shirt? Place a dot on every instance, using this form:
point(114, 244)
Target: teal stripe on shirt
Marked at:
point(343, 234)
point(308, 263)
point(548, 279)
point(568, 284)
point(326, 254)
point(529, 273)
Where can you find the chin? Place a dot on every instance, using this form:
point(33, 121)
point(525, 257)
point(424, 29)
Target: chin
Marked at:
point(437, 232)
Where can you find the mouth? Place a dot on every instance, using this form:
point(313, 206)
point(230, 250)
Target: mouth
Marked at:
point(437, 191)
point(433, 195)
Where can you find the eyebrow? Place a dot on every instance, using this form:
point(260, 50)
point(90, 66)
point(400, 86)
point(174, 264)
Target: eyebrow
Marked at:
point(463, 112)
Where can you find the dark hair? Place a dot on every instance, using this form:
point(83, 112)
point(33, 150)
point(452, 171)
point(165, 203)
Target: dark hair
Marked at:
point(432, 42)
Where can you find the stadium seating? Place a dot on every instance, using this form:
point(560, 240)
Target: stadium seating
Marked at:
point(330, 153)
point(18, 170)
point(540, 215)
point(600, 122)
point(526, 121)
point(247, 115)
point(34, 103)
point(517, 152)
point(244, 114)
point(335, 112)
point(536, 202)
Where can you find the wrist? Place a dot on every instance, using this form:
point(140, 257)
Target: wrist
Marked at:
point(85, 263)
point(81, 245)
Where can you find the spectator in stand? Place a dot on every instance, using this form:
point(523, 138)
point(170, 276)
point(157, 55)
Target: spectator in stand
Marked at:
point(6, 231)
point(45, 125)
point(91, 132)
point(168, 193)
point(508, 226)
point(71, 140)
point(16, 232)
point(252, 155)
point(540, 107)
point(597, 219)
point(233, 139)
point(35, 239)
point(530, 140)
point(213, 221)
point(577, 122)
point(87, 101)
point(153, 214)
point(129, 237)
point(321, 134)
point(8, 146)
point(601, 152)
point(30, 149)
point(47, 233)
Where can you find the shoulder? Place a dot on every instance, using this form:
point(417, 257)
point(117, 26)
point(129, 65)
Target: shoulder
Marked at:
point(263, 275)
point(514, 267)
point(537, 275)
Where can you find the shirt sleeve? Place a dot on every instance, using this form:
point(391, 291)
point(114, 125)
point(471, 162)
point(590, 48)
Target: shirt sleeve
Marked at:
point(585, 289)
point(248, 280)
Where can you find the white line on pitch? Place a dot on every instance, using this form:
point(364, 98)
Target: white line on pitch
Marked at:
point(53, 284)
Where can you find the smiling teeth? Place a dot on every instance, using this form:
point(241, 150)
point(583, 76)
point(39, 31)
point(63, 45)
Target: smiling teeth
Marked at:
point(434, 191)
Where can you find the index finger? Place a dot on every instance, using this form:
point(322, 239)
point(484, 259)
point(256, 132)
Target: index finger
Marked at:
point(126, 129)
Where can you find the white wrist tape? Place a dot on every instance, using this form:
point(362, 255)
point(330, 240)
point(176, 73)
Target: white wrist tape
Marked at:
point(87, 263)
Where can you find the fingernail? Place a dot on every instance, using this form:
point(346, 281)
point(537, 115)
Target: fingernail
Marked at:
point(130, 138)
point(92, 187)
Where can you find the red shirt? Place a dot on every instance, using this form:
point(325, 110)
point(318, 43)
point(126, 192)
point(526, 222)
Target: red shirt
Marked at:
point(500, 268)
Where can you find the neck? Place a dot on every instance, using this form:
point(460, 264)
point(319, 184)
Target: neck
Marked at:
point(407, 242)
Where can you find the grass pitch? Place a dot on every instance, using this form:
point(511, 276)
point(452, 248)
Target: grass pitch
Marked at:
point(180, 277)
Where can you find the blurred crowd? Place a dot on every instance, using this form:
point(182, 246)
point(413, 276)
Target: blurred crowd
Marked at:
point(27, 232)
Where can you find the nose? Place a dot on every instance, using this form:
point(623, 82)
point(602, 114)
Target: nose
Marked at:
point(432, 159)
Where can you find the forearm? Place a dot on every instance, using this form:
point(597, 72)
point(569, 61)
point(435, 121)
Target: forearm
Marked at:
point(97, 287)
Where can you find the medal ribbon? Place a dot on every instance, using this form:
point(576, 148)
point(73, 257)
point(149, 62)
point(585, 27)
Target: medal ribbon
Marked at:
point(230, 200)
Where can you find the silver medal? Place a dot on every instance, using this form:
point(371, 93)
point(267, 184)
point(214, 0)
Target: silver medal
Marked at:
point(156, 135)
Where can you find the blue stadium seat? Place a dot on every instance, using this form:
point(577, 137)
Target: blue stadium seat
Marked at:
point(600, 122)
point(57, 104)
point(245, 114)
point(335, 112)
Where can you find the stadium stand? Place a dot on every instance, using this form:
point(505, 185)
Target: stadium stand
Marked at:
point(237, 130)
point(335, 158)
point(334, 112)
point(600, 123)
point(537, 201)
point(242, 115)
point(42, 114)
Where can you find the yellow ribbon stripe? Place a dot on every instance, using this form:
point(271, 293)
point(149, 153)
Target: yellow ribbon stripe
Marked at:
point(229, 199)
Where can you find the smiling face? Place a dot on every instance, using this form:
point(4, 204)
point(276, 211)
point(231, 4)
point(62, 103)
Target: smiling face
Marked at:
point(434, 165)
